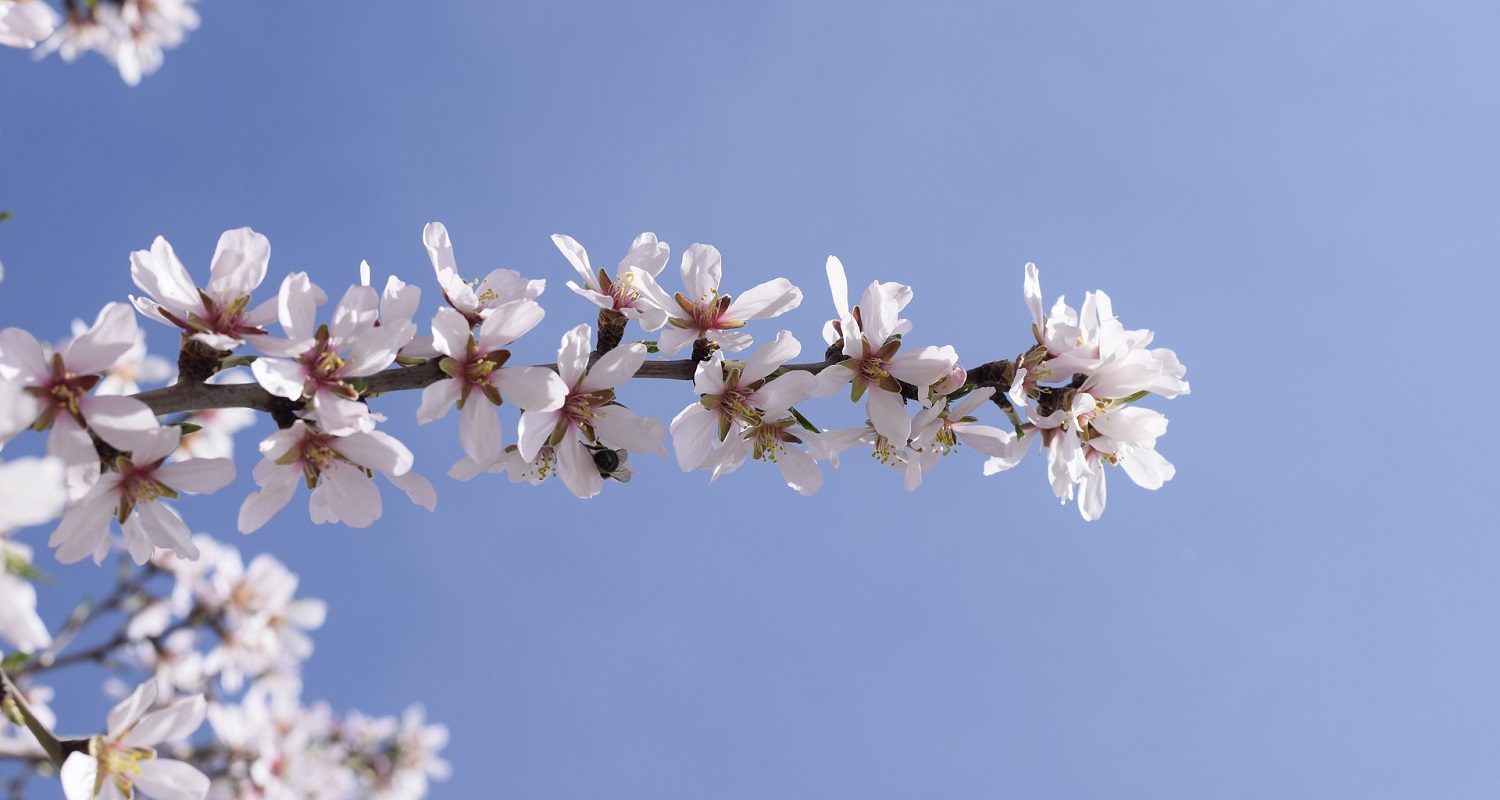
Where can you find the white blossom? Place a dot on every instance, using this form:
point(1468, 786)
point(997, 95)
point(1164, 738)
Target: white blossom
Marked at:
point(701, 311)
point(335, 469)
point(318, 362)
point(589, 420)
point(135, 492)
point(124, 759)
point(622, 293)
point(60, 382)
point(479, 299)
point(219, 315)
point(476, 366)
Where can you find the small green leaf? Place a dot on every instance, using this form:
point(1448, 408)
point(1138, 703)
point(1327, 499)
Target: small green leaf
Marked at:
point(13, 662)
point(804, 421)
point(6, 214)
point(188, 427)
point(651, 345)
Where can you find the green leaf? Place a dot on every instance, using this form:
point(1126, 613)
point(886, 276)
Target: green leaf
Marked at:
point(6, 214)
point(1125, 401)
point(651, 345)
point(804, 421)
point(188, 427)
point(13, 662)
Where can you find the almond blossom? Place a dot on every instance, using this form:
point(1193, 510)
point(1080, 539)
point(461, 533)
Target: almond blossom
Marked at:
point(124, 759)
point(219, 315)
point(1094, 343)
point(743, 394)
point(622, 293)
point(589, 420)
point(60, 382)
point(702, 312)
point(338, 471)
point(940, 428)
point(135, 493)
point(479, 299)
point(874, 363)
point(779, 439)
point(319, 362)
point(19, 623)
point(23, 23)
point(476, 365)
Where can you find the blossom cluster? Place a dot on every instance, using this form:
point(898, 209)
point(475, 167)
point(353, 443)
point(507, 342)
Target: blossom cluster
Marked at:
point(131, 34)
point(220, 640)
point(118, 460)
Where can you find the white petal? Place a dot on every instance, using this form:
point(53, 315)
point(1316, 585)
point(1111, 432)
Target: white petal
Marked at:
point(79, 775)
point(694, 431)
point(534, 430)
point(576, 465)
point(163, 528)
point(159, 273)
point(614, 368)
point(124, 422)
point(197, 475)
point(21, 357)
point(786, 391)
point(112, 335)
point(70, 444)
point(838, 286)
point(573, 356)
point(450, 332)
point(297, 306)
point(770, 299)
point(417, 488)
point(281, 378)
point(18, 618)
point(479, 431)
point(168, 779)
point(125, 713)
point(577, 256)
point(888, 415)
point(377, 450)
point(618, 426)
point(769, 357)
point(273, 496)
point(351, 496)
point(531, 388)
point(800, 472)
point(1092, 495)
point(508, 323)
point(239, 264)
point(831, 379)
point(702, 269)
point(1148, 468)
point(923, 367)
point(84, 525)
point(437, 398)
point(32, 491)
point(171, 724)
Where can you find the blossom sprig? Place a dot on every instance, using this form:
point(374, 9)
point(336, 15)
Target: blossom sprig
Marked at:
point(221, 640)
point(132, 35)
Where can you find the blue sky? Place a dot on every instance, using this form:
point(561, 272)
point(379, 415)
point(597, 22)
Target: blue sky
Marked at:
point(1300, 198)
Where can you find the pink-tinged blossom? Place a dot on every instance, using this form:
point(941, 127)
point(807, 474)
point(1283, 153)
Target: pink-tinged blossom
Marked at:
point(736, 395)
point(23, 23)
point(621, 293)
point(478, 379)
point(589, 421)
point(1091, 434)
point(147, 28)
point(701, 311)
point(838, 287)
point(1093, 342)
point(337, 470)
point(60, 383)
point(875, 366)
point(478, 299)
point(941, 428)
point(219, 315)
point(123, 762)
point(778, 439)
point(135, 493)
point(319, 362)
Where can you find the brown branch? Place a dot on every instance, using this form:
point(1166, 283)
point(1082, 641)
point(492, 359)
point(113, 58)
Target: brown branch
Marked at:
point(194, 396)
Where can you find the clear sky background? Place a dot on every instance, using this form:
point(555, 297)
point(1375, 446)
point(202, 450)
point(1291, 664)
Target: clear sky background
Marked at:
point(1300, 198)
